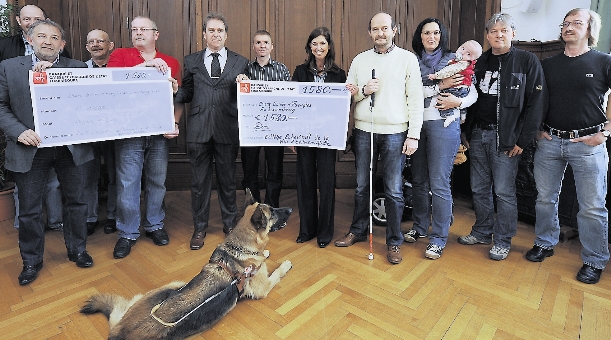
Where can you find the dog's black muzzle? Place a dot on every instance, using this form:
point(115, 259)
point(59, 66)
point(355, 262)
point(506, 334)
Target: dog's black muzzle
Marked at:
point(282, 215)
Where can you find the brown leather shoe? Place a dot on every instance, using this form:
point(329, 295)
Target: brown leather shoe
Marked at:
point(349, 239)
point(197, 240)
point(394, 254)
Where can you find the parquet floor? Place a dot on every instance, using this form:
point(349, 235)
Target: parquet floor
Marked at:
point(332, 293)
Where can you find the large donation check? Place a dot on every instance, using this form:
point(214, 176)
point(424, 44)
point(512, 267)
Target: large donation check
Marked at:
point(280, 113)
point(81, 105)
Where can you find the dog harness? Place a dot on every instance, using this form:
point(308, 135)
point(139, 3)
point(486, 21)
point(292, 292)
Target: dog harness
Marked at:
point(239, 280)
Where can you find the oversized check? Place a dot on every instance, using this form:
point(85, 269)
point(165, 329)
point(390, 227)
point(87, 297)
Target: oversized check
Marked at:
point(282, 113)
point(81, 105)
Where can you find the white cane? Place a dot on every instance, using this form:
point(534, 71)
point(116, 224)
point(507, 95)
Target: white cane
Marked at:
point(371, 105)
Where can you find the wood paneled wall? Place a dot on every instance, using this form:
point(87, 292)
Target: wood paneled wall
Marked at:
point(180, 24)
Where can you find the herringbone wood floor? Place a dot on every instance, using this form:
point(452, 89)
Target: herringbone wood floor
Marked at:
point(332, 293)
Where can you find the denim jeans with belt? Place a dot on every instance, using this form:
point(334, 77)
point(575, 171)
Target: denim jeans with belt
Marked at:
point(492, 168)
point(133, 155)
point(589, 164)
point(432, 166)
point(388, 148)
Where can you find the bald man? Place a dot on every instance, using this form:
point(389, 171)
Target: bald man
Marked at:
point(99, 46)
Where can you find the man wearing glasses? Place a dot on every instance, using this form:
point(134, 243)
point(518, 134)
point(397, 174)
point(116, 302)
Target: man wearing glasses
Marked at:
point(99, 46)
point(511, 97)
point(142, 156)
point(575, 129)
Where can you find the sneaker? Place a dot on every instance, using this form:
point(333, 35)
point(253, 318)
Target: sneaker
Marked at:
point(412, 236)
point(433, 251)
point(470, 239)
point(499, 253)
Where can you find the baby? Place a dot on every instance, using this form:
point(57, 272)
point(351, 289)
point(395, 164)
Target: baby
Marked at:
point(463, 63)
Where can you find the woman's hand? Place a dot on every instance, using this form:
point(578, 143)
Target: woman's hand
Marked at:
point(447, 101)
point(451, 81)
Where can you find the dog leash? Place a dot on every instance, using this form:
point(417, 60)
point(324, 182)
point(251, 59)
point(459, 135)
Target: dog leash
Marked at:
point(239, 279)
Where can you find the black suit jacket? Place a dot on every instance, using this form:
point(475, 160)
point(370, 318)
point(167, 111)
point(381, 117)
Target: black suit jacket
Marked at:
point(214, 108)
point(12, 47)
point(334, 75)
point(16, 112)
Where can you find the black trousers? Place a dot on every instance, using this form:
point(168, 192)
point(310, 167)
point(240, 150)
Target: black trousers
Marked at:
point(316, 169)
point(274, 156)
point(202, 156)
point(31, 190)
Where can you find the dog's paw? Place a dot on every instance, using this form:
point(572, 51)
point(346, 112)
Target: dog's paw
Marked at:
point(286, 266)
point(266, 253)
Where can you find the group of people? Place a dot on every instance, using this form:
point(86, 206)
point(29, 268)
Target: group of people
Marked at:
point(420, 102)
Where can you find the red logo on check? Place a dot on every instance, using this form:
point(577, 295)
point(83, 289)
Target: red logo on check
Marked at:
point(245, 87)
point(40, 78)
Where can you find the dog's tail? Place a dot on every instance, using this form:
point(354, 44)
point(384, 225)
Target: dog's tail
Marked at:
point(112, 306)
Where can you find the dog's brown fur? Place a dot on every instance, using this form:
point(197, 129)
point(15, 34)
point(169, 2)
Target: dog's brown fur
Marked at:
point(243, 247)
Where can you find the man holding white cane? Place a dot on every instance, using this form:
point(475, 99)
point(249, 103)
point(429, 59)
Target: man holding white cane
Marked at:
point(395, 123)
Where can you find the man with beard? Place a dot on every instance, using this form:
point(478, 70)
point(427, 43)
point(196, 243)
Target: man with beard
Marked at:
point(399, 102)
point(31, 164)
point(142, 156)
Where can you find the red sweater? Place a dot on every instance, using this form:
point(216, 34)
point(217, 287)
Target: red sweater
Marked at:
point(130, 57)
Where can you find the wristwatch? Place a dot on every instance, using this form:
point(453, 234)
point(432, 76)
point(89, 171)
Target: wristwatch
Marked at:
point(606, 133)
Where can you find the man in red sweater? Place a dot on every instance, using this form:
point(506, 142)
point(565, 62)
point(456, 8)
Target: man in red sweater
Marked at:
point(146, 155)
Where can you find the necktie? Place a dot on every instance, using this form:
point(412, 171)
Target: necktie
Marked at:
point(215, 67)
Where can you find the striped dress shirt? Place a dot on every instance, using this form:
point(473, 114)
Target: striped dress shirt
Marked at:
point(272, 71)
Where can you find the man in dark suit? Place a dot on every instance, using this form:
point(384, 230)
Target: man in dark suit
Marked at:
point(31, 164)
point(212, 133)
point(16, 46)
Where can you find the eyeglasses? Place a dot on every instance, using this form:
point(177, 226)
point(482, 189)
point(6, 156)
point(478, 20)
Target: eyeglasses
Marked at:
point(143, 30)
point(431, 32)
point(96, 41)
point(576, 24)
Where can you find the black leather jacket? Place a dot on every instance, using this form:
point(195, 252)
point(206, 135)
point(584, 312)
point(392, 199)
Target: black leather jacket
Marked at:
point(522, 99)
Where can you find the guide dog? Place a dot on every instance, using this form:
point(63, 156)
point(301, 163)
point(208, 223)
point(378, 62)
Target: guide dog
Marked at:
point(236, 270)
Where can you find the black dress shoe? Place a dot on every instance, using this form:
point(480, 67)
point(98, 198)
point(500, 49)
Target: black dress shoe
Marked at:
point(91, 227)
point(589, 274)
point(323, 244)
point(82, 259)
point(301, 239)
point(538, 254)
point(159, 237)
point(110, 227)
point(29, 273)
point(123, 248)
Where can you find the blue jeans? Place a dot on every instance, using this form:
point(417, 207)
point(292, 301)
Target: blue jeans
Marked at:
point(32, 188)
point(490, 167)
point(92, 178)
point(133, 155)
point(52, 201)
point(432, 166)
point(589, 164)
point(388, 148)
